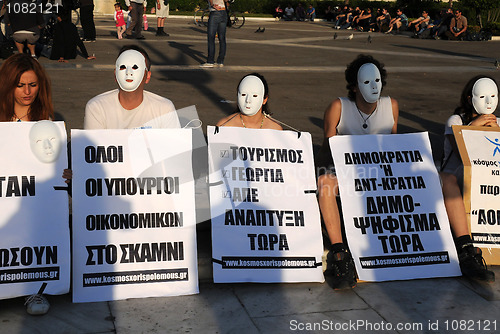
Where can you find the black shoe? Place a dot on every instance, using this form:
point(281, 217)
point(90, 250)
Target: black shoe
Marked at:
point(340, 272)
point(258, 30)
point(473, 265)
point(140, 37)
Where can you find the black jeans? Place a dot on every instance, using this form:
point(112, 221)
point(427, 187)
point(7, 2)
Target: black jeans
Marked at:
point(88, 26)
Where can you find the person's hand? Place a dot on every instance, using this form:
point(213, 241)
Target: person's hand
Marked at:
point(90, 57)
point(485, 120)
point(67, 175)
point(62, 60)
point(129, 8)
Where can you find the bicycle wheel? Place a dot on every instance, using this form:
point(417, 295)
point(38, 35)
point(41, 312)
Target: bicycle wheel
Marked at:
point(197, 17)
point(204, 18)
point(201, 17)
point(237, 20)
point(75, 17)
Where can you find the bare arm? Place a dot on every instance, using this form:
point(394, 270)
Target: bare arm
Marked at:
point(395, 114)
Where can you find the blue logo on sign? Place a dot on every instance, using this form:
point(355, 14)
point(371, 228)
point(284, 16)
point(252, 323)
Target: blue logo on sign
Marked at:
point(496, 143)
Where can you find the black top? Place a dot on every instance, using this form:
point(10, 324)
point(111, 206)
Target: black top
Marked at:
point(30, 20)
point(66, 39)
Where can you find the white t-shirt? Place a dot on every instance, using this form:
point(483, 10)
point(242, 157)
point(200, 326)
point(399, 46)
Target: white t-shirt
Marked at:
point(105, 112)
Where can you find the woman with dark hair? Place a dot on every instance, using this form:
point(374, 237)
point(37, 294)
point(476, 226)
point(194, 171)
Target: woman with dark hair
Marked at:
point(253, 110)
point(478, 101)
point(25, 93)
point(467, 114)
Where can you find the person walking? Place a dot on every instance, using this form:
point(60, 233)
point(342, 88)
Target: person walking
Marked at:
point(136, 10)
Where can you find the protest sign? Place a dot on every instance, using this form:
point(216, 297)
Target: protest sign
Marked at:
point(34, 220)
point(265, 216)
point(480, 151)
point(134, 224)
point(393, 209)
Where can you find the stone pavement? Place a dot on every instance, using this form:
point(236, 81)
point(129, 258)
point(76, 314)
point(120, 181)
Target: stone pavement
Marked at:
point(304, 66)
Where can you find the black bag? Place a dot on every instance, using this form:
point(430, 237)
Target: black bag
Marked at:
point(77, 4)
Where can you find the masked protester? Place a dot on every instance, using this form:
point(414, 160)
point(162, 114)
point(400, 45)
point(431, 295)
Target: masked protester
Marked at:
point(130, 106)
point(478, 102)
point(253, 109)
point(364, 111)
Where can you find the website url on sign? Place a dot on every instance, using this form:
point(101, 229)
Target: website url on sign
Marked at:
point(135, 277)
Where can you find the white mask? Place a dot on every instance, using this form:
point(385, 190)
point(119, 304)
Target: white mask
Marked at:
point(250, 95)
point(485, 96)
point(45, 141)
point(369, 82)
point(130, 69)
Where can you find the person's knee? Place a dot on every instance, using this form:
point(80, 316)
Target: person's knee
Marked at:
point(448, 179)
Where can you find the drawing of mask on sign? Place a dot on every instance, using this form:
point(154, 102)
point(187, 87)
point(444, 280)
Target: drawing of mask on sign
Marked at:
point(130, 69)
point(45, 141)
point(250, 95)
point(485, 96)
point(369, 82)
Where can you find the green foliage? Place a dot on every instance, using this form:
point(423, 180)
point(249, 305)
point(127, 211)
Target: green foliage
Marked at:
point(412, 8)
point(480, 5)
point(494, 27)
point(186, 5)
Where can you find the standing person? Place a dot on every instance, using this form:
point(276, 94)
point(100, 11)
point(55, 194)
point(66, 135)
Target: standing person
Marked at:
point(162, 10)
point(130, 106)
point(478, 102)
point(136, 11)
point(119, 20)
point(25, 95)
point(362, 112)
point(253, 110)
point(458, 27)
point(217, 23)
point(87, 17)
point(25, 24)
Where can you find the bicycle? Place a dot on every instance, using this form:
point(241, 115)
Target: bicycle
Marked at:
point(235, 20)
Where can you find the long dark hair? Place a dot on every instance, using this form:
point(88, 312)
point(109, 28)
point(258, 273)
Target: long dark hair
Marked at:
point(466, 110)
point(10, 73)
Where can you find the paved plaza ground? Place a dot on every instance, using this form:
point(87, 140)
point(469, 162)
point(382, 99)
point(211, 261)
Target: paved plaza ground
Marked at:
point(304, 66)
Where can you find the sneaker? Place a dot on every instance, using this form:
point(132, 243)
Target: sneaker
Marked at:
point(37, 304)
point(219, 65)
point(340, 272)
point(207, 65)
point(473, 265)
